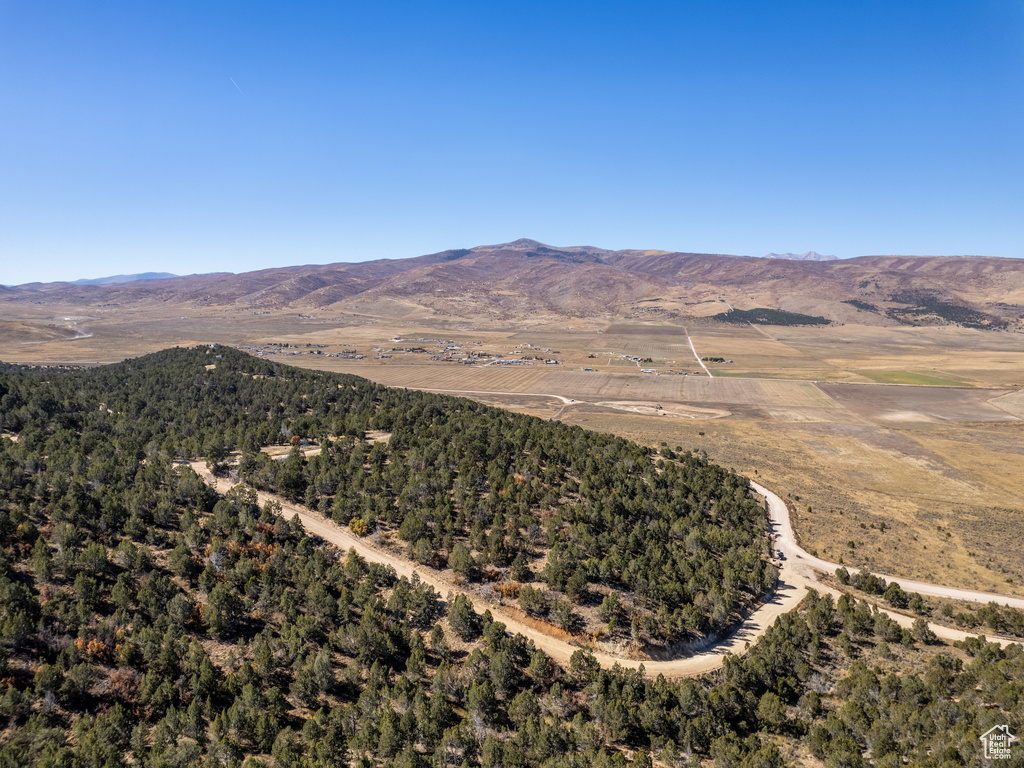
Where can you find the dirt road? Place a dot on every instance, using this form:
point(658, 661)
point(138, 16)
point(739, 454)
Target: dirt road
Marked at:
point(802, 562)
point(784, 598)
point(565, 400)
point(701, 362)
point(790, 589)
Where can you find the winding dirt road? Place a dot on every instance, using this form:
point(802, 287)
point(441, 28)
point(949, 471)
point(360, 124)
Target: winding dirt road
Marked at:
point(796, 576)
point(806, 564)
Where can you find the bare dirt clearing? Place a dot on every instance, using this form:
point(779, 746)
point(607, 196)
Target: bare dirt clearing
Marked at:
point(1012, 403)
point(793, 394)
point(672, 410)
point(914, 403)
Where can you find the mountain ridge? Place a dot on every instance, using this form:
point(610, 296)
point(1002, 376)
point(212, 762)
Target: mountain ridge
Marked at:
point(123, 278)
point(530, 280)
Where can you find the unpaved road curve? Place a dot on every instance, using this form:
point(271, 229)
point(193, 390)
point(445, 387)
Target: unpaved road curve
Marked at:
point(784, 598)
point(790, 589)
point(797, 559)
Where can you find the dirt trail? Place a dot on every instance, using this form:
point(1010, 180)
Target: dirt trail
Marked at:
point(784, 598)
point(565, 400)
point(701, 362)
point(795, 578)
point(802, 562)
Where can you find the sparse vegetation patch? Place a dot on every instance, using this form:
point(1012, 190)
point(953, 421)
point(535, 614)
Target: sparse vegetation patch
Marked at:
point(925, 304)
point(867, 306)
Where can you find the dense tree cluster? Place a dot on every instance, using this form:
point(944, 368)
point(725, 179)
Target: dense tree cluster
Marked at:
point(926, 304)
point(867, 306)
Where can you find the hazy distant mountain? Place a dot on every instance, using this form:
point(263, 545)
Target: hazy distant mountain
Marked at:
point(809, 256)
point(529, 282)
point(124, 278)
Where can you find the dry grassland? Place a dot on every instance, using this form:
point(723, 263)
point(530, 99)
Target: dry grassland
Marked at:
point(720, 344)
point(911, 377)
point(17, 332)
point(449, 376)
point(598, 385)
point(890, 403)
point(796, 394)
point(1012, 403)
point(660, 348)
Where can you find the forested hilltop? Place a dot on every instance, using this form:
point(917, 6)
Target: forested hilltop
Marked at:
point(585, 529)
point(146, 620)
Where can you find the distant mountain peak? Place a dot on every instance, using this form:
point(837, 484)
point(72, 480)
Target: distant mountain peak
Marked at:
point(124, 278)
point(809, 256)
point(522, 244)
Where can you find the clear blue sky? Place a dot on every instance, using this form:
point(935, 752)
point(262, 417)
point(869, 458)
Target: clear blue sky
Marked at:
point(388, 129)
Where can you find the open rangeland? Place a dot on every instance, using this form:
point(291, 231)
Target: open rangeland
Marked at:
point(886, 465)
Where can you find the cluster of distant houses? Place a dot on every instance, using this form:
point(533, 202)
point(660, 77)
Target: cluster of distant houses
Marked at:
point(292, 349)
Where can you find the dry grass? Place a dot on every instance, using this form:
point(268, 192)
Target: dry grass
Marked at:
point(912, 377)
point(448, 376)
point(596, 385)
point(798, 394)
point(20, 332)
point(1012, 403)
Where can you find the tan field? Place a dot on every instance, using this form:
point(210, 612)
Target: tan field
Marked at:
point(906, 443)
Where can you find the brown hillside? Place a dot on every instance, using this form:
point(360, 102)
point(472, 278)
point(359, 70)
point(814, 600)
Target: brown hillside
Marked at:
point(526, 279)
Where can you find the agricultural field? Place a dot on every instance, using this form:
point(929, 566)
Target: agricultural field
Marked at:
point(910, 377)
point(960, 355)
point(895, 404)
point(793, 394)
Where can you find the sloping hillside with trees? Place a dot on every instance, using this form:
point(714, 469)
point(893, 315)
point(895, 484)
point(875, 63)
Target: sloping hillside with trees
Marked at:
point(590, 530)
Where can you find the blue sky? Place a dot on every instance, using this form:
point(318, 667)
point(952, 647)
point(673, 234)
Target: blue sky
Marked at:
point(354, 131)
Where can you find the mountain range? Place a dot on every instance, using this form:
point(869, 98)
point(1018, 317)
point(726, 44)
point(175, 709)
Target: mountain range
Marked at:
point(526, 280)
